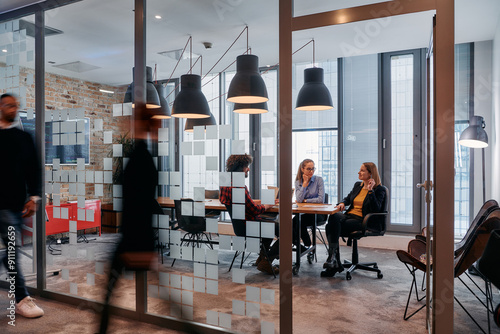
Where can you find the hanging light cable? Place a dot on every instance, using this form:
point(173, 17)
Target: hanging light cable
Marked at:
point(164, 111)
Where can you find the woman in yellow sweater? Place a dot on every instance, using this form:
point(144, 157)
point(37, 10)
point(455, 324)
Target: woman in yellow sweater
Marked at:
point(365, 197)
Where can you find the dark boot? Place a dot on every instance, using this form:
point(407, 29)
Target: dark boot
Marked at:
point(332, 260)
point(274, 251)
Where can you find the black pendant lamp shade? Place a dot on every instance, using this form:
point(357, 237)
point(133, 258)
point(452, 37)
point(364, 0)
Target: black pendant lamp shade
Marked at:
point(474, 135)
point(192, 122)
point(247, 85)
point(190, 102)
point(314, 95)
point(164, 111)
point(251, 108)
point(152, 98)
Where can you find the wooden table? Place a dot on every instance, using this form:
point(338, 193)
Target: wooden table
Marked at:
point(298, 208)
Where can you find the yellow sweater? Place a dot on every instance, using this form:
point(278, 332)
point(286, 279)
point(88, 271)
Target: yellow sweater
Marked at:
point(357, 204)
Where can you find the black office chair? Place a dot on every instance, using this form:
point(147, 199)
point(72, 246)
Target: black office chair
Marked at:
point(194, 226)
point(240, 230)
point(374, 224)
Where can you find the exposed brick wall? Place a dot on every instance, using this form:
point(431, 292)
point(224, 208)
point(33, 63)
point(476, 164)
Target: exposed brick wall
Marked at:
point(66, 93)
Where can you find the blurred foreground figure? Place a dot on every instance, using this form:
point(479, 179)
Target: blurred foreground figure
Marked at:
point(20, 177)
point(136, 248)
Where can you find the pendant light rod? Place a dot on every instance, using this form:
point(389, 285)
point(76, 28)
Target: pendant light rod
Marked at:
point(201, 65)
point(229, 48)
point(180, 57)
point(190, 55)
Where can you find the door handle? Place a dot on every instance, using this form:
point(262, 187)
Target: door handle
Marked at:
point(427, 185)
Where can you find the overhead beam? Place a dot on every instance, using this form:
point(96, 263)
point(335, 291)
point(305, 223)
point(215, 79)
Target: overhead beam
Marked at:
point(361, 13)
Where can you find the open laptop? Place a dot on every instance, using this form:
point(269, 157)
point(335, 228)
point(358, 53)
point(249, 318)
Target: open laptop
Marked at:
point(277, 191)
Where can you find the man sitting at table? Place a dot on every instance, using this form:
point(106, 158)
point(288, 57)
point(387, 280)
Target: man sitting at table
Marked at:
point(241, 163)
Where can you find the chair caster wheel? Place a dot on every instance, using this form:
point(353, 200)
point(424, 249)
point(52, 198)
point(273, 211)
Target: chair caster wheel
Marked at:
point(380, 276)
point(348, 276)
point(295, 271)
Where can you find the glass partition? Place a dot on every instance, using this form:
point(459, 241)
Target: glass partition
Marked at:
point(196, 278)
point(17, 77)
point(88, 142)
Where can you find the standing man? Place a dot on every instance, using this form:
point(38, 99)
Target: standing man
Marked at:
point(241, 163)
point(20, 191)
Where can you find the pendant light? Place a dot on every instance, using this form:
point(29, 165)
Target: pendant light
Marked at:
point(252, 108)
point(164, 111)
point(190, 102)
point(247, 85)
point(192, 122)
point(314, 95)
point(152, 98)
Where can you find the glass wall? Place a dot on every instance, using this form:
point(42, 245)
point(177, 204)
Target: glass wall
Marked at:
point(88, 142)
point(17, 77)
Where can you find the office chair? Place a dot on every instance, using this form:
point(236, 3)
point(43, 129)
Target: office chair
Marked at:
point(239, 228)
point(412, 260)
point(370, 220)
point(194, 226)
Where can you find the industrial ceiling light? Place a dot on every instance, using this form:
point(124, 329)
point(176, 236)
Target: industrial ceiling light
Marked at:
point(251, 108)
point(247, 85)
point(474, 135)
point(152, 98)
point(190, 102)
point(314, 95)
point(164, 111)
point(192, 122)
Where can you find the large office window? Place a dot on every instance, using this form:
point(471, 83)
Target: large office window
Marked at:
point(360, 117)
point(195, 173)
point(315, 133)
point(462, 154)
point(402, 139)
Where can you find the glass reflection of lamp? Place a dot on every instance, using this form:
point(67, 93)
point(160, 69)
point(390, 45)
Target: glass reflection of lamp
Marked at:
point(192, 122)
point(475, 136)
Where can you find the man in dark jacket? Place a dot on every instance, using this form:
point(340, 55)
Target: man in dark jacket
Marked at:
point(20, 192)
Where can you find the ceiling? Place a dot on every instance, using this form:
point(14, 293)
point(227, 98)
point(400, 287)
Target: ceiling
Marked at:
point(100, 33)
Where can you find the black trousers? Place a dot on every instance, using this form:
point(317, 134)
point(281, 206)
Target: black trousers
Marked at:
point(340, 224)
point(305, 221)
